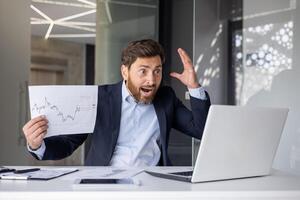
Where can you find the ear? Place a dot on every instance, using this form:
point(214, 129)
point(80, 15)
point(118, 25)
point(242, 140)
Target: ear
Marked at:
point(124, 72)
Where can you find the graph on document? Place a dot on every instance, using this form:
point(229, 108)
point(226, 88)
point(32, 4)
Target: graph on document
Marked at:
point(50, 108)
point(69, 109)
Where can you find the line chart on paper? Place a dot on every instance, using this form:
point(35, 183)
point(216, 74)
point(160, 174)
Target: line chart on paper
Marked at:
point(69, 109)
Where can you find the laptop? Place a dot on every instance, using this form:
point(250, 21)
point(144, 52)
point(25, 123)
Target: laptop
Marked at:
point(237, 142)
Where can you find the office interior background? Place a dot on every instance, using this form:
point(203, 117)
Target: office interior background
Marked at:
point(245, 52)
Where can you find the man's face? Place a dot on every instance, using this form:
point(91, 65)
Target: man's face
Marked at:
point(143, 78)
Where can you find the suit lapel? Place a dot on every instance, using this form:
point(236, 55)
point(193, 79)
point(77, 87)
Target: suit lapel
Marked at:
point(161, 116)
point(116, 106)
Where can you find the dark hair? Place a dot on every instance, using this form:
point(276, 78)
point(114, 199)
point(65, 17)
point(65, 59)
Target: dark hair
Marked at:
point(141, 49)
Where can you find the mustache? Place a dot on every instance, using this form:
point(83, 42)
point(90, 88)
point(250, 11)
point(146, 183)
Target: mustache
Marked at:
point(149, 86)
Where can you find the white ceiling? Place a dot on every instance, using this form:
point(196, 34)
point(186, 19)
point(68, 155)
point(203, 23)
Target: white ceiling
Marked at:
point(75, 20)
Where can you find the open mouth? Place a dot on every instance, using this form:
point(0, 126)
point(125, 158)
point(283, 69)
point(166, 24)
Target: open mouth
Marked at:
point(146, 91)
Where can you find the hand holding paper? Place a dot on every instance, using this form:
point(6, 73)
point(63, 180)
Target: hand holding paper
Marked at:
point(67, 110)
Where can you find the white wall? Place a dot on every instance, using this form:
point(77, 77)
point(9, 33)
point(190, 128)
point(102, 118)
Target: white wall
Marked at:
point(14, 66)
point(282, 87)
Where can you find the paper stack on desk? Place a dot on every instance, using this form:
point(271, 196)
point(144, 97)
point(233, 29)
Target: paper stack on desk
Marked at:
point(42, 174)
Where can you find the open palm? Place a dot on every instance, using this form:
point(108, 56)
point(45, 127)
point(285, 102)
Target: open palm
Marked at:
point(188, 77)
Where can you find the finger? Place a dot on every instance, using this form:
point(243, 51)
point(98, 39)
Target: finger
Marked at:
point(34, 143)
point(33, 121)
point(35, 127)
point(38, 127)
point(37, 132)
point(38, 140)
point(187, 62)
point(184, 55)
point(175, 75)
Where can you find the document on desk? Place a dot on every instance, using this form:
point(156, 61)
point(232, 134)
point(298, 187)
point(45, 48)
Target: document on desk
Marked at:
point(69, 109)
point(42, 174)
point(108, 173)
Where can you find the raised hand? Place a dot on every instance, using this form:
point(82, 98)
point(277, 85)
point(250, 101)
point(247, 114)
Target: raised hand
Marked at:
point(188, 77)
point(35, 131)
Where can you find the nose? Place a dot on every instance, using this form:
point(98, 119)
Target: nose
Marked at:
point(151, 79)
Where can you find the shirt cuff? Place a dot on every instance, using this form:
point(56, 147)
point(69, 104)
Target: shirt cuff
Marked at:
point(198, 93)
point(39, 152)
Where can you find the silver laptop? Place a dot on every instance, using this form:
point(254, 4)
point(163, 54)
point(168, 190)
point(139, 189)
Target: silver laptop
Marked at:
point(237, 142)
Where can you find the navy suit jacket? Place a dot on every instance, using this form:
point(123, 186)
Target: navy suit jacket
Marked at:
point(170, 111)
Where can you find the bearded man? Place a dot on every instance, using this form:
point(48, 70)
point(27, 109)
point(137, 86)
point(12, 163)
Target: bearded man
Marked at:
point(134, 116)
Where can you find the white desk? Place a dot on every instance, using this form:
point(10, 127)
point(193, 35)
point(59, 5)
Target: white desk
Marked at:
point(277, 186)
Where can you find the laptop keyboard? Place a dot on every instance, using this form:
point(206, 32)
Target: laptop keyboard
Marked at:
point(187, 173)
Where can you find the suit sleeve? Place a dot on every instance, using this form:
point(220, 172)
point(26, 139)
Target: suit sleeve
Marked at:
point(59, 147)
point(191, 122)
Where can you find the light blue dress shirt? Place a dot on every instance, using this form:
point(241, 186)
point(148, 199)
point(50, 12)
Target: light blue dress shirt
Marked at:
point(137, 144)
point(139, 132)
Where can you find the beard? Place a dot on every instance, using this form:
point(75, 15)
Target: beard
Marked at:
point(138, 93)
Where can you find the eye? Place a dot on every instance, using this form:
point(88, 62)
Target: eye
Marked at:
point(142, 72)
point(157, 71)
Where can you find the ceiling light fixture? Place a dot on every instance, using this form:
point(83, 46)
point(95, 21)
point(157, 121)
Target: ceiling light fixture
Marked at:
point(71, 35)
point(76, 16)
point(60, 3)
point(42, 21)
point(85, 26)
point(47, 18)
point(129, 4)
point(88, 3)
point(49, 31)
point(78, 23)
point(63, 22)
point(108, 12)
point(41, 13)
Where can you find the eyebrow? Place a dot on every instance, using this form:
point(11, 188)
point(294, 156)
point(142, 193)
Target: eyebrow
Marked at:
point(146, 66)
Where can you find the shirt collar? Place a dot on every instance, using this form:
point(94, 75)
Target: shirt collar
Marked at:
point(126, 96)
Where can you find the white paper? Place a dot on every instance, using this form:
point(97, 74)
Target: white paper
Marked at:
point(105, 173)
point(69, 109)
point(45, 173)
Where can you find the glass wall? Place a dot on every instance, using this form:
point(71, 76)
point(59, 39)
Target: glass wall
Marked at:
point(245, 53)
point(264, 47)
point(267, 69)
point(119, 22)
point(211, 49)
